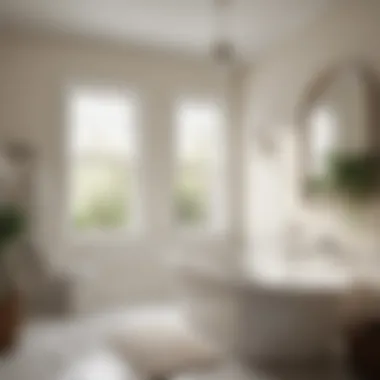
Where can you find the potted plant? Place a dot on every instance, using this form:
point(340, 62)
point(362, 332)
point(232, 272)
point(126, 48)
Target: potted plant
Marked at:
point(12, 224)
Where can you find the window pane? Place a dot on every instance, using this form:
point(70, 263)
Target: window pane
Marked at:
point(198, 153)
point(102, 160)
point(101, 122)
point(100, 197)
point(191, 195)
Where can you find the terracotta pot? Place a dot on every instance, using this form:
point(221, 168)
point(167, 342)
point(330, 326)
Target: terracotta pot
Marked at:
point(363, 343)
point(9, 321)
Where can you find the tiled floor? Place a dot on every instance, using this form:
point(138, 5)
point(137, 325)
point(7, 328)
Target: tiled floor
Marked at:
point(78, 350)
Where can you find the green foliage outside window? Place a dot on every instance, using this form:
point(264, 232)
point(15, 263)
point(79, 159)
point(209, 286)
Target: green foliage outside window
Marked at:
point(190, 197)
point(103, 199)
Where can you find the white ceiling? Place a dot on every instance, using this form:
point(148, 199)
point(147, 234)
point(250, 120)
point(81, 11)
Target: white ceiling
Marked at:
point(185, 25)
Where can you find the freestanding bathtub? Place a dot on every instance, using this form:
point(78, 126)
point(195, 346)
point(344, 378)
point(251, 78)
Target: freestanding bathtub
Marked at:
point(265, 318)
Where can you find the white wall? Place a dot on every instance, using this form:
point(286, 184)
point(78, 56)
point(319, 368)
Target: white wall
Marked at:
point(279, 81)
point(33, 73)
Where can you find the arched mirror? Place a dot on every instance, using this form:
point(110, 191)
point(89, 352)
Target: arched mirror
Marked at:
point(338, 116)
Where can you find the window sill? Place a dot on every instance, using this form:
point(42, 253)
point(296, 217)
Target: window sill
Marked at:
point(102, 238)
point(201, 234)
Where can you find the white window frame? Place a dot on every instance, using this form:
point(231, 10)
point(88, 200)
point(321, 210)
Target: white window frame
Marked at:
point(126, 233)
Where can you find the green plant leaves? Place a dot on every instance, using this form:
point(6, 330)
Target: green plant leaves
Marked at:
point(354, 175)
point(12, 223)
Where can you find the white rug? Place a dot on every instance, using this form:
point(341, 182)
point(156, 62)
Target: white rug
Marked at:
point(86, 349)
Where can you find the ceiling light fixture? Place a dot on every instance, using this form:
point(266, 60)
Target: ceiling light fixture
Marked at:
point(223, 49)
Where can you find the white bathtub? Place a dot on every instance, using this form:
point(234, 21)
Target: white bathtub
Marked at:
point(264, 321)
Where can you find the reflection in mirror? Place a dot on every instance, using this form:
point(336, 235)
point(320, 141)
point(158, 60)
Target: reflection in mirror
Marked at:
point(335, 119)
